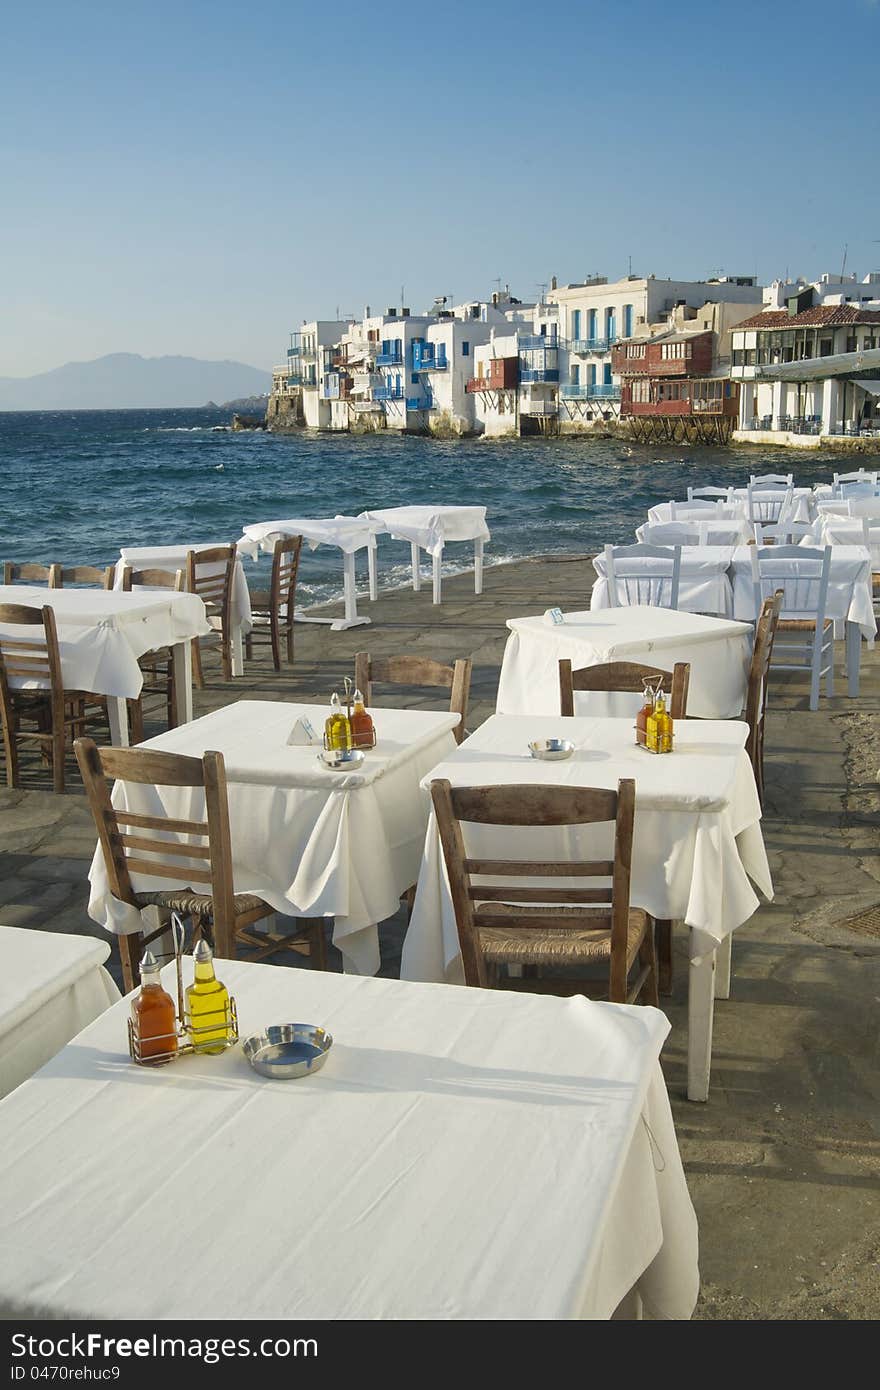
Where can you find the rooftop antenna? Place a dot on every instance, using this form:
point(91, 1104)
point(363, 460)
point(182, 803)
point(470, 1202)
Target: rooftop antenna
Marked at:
point(542, 287)
point(629, 261)
point(401, 296)
point(497, 282)
point(843, 265)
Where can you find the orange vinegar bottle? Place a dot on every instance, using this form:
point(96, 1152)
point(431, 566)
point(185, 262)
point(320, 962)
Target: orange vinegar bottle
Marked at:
point(153, 1016)
point(363, 733)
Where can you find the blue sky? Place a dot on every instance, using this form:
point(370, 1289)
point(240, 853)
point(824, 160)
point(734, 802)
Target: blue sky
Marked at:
point(199, 177)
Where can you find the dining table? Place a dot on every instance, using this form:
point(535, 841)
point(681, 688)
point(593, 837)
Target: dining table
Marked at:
point(431, 527)
point(102, 633)
point(704, 582)
point(52, 984)
point(698, 854)
point(347, 533)
point(717, 649)
point(173, 557)
point(461, 1155)
point(308, 840)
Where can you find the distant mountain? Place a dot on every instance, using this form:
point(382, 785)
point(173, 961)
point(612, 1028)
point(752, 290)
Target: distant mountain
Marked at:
point(126, 381)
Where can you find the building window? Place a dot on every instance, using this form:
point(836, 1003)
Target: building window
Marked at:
point(627, 320)
point(414, 378)
point(575, 323)
point(465, 349)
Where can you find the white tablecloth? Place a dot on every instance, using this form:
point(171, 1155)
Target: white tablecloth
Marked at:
point(718, 651)
point(101, 634)
point(432, 527)
point(697, 840)
point(685, 511)
point(311, 842)
point(440, 1166)
point(704, 586)
point(348, 533)
point(51, 987)
point(173, 557)
point(802, 500)
point(844, 530)
point(724, 533)
point(849, 586)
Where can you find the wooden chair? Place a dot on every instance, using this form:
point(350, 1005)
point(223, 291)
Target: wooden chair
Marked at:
point(631, 582)
point(150, 846)
point(82, 574)
point(510, 924)
point(211, 574)
point(803, 634)
point(415, 670)
point(29, 574)
point(157, 666)
point(48, 714)
point(627, 677)
point(756, 691)
point(272, 610)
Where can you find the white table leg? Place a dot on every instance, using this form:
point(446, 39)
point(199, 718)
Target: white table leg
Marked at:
point(701, 1009)
point(237, 645)
point(117, 717)
point(351, 618)
point(478, 566)
point(437, 567)
point(416, 577)
point(371, 567)
point(181, 654)
point(853, 657)
point(722, 968)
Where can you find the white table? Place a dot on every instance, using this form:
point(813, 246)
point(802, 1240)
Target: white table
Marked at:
point(697, 844)
point(349, 533)
point(803, 501)
point(850, 597)
point(102, 634)
point(430, 528)
point(727, 533)
point(310, 842)
point(173, 557)
point(718, 649)
point(440, 1166)
point(51, 987)
point(704, 585)
point(830, 529)
point(690, 512)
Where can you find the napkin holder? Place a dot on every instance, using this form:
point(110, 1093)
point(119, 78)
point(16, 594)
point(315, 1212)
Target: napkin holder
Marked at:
point(554, 616)
point(303, 733)
point(186, 1039)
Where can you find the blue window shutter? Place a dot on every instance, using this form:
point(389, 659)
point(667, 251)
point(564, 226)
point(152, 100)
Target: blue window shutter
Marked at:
point(465, 349)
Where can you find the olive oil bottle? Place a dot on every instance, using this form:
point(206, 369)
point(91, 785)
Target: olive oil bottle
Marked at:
point(337, 728)
point(208, 1015)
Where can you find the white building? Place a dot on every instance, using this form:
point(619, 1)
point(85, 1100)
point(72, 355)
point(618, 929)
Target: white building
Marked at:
point(595, 315)
point(317, 353)
point(810, 368)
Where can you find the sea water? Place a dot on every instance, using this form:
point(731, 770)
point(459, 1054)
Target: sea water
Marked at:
point(75, 486)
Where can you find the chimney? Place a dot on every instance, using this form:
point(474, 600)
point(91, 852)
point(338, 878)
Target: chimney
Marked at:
point(553, 282)
point(366, 311)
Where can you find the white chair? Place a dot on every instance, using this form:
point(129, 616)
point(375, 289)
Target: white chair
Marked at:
point(861, 478)
point(631, 581)
point(804, 637)
point(723, 492)
point(836, 508)
point(767, 509)
point(864, 506)
point(871, 535)
point(771, 480)
point(786, 531)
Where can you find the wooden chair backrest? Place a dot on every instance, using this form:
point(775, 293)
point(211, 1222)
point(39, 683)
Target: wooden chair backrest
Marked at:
point(128, 839)
point(626, 676)
point(152, 579)
point(285, 567)
point(536, 806)
point(30, 574)
point(29, 656)
point(210, 574)
point(82, 574)
point(765, 632)
point(418, 671)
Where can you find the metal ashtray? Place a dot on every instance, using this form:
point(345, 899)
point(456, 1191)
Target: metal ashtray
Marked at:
point(341, 759)
point(551, 750)
point(292, 1049)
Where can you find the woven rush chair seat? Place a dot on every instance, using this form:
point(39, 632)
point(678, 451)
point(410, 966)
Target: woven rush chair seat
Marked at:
point(526, 945)
point(201, 905)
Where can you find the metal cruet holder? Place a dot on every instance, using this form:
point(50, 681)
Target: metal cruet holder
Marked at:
point(183, 1034)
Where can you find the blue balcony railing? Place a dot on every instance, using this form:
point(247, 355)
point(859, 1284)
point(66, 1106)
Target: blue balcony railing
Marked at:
point(532, 342)
point(590, 391)
point(389, 359)
point(420, 402)
point(294, 351)
point(585, 345)
point(538, 374)
point(388, 393)
point(295, 379)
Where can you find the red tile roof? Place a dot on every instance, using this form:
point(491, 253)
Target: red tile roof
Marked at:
point(821, 315)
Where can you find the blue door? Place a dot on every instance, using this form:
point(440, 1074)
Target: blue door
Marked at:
point(610, 325)
point(606, 374)
point(575, 323)
point(627, 320)
point(594, 332)
point(591, 374)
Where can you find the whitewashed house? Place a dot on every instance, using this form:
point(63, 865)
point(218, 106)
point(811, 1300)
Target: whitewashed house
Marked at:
point(808, 364)
point(318, 342)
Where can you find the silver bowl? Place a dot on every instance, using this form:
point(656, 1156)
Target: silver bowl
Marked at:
point(551, 750)
point(292, 1049)
point(341, 759)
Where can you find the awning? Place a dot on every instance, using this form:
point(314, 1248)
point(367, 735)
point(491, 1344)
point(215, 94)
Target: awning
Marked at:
point(871, 385)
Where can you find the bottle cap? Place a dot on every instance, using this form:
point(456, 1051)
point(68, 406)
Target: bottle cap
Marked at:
point(202, 951)
point(149, 965)
point(358, 697)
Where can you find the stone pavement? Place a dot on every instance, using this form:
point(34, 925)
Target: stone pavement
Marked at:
point(784, 1161)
